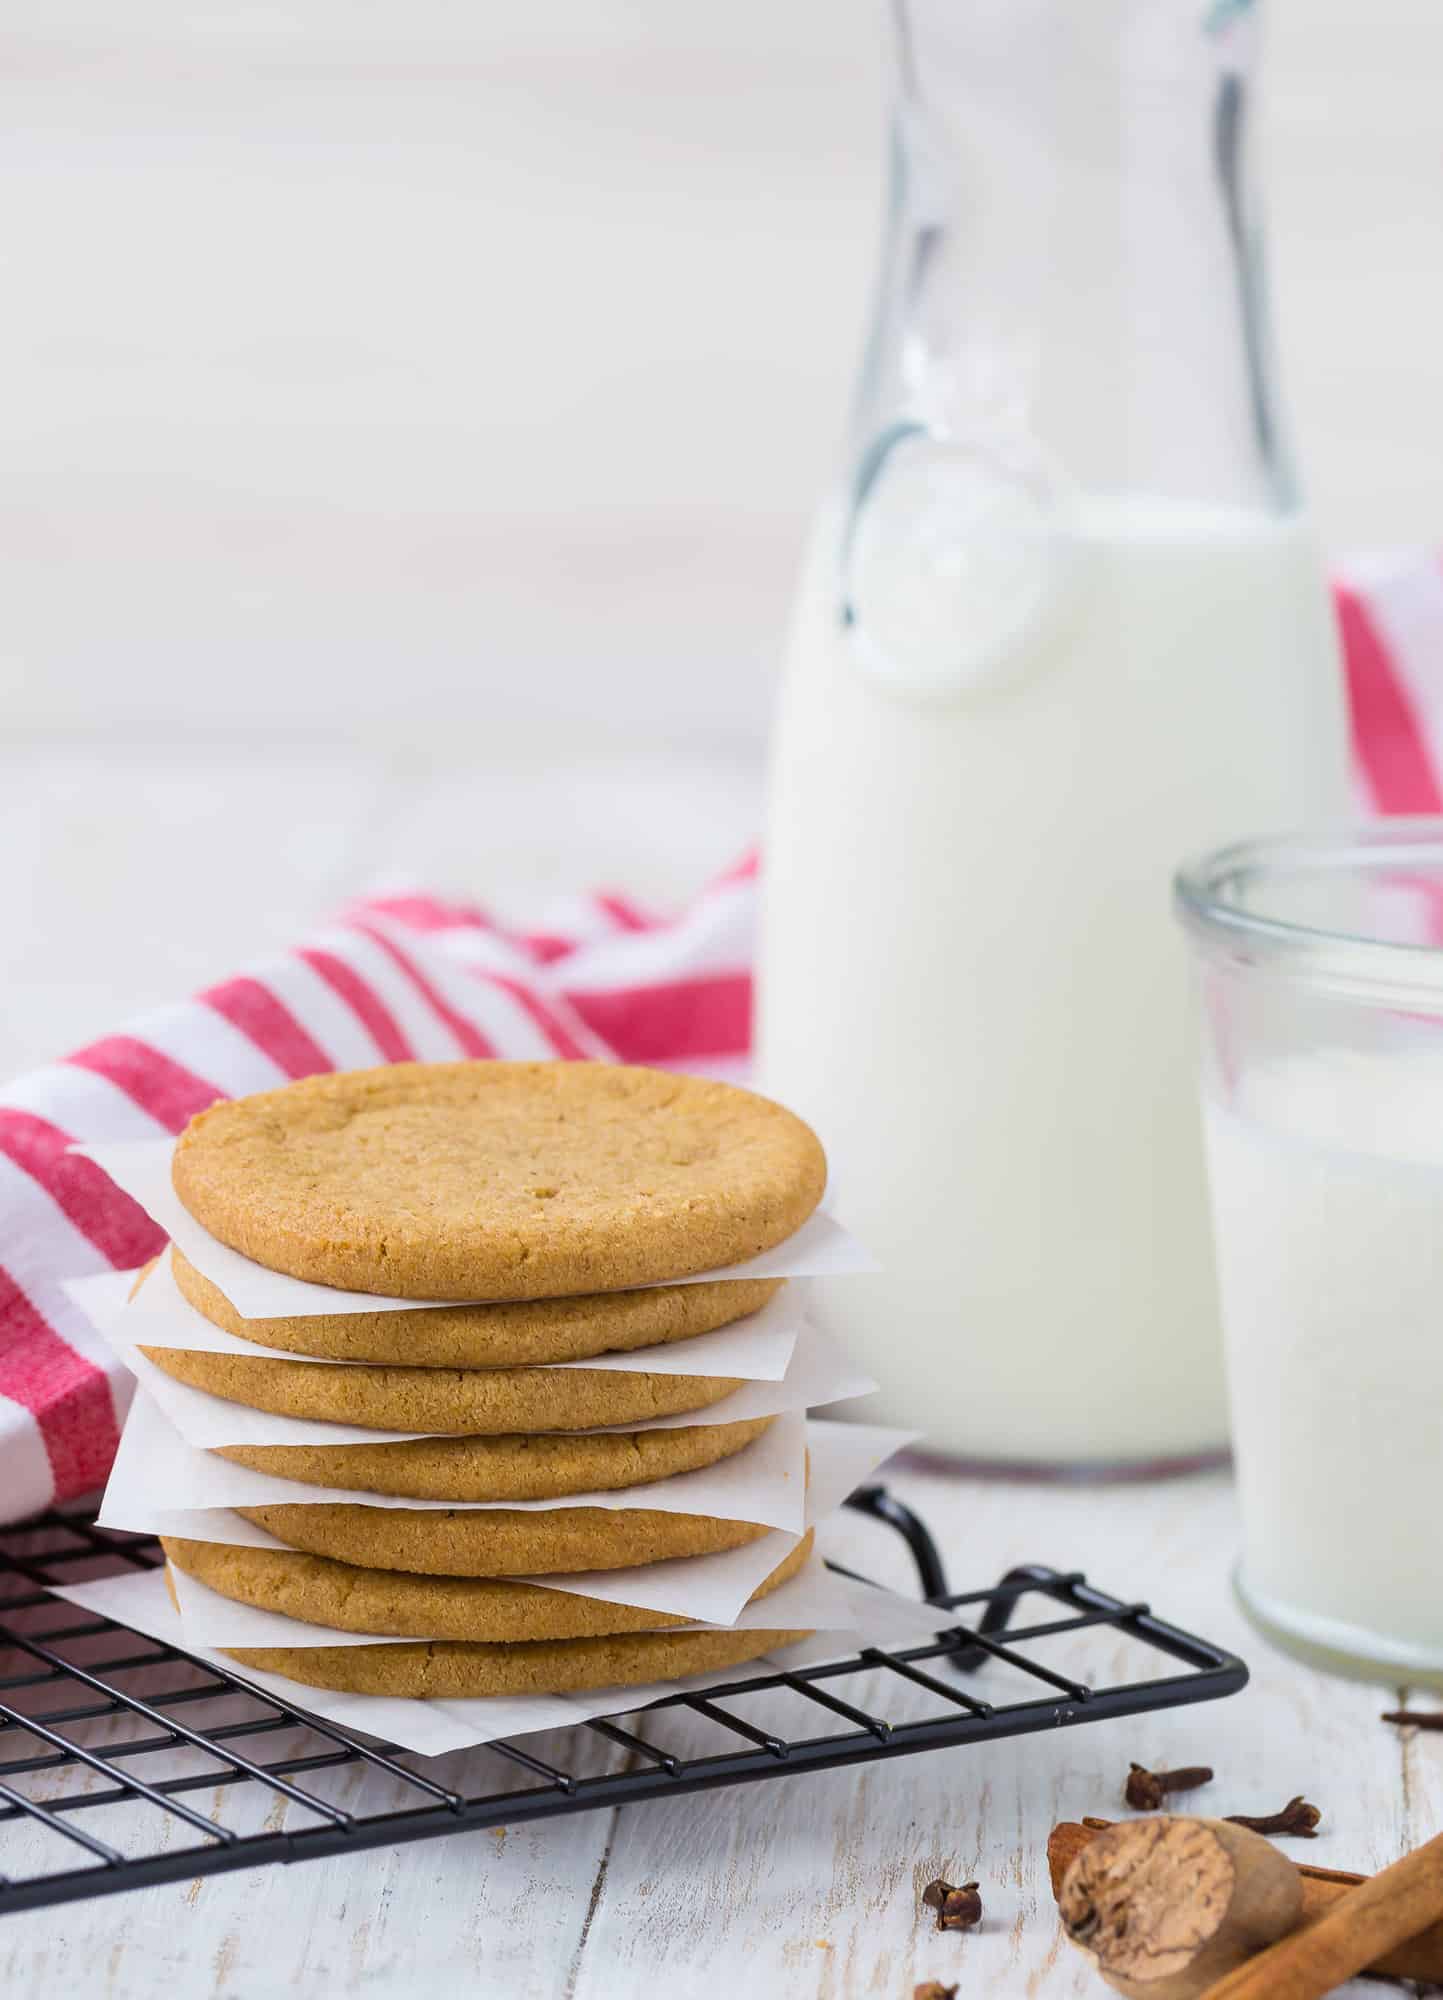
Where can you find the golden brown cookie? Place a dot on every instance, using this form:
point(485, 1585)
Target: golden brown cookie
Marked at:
point(495, 1336)
point(453, 1670)
point(498, 1541)
point(390, 1603)
point(499, 1180)
point(503, 1468)
point(455, 1402)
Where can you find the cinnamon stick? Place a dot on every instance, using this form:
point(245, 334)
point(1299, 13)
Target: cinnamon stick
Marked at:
point(1420, 1958)
point(1367, 1922)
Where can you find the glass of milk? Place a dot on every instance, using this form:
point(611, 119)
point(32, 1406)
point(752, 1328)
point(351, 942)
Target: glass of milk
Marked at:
point(1319, 964)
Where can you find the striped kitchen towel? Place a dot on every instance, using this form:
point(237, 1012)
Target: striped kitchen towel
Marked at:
point(1390, 610)
point(409, 975)
point(395, 978)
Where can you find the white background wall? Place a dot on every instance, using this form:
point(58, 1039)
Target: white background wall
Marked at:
point(380, 364)
point(372, 366)
point(409, 414)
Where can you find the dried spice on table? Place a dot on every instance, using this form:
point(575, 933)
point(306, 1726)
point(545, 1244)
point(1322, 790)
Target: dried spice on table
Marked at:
point(1145, 1790)
point(1378, 1917)
point(1418, 1958)
point(958, 1909)
point(1297, 1821)
point(1167, 1906)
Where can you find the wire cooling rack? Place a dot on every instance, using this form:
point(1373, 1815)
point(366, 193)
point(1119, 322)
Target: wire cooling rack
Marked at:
point(124, 1763)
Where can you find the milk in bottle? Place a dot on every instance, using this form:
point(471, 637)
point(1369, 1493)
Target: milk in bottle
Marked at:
point(1062, 623)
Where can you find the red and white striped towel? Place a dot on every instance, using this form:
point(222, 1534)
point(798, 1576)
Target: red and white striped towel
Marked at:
point(1390, 610)
point(395, 978)
point(411, 976)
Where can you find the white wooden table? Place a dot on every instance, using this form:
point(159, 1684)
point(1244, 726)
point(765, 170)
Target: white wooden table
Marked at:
point(804, 1885)
point(800, 1886)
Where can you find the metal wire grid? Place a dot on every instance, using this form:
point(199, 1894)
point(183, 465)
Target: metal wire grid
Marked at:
point(52, 1694)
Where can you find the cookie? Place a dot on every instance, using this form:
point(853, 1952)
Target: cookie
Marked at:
point(456, 1402)
point(390, 1603)
point(494, 1336)
point(499, 1180)
point(503, 1468)
point(498, 1541)
point(452, 1669)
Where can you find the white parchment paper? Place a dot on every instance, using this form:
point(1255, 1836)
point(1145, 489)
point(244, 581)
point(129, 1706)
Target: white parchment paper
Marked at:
point(161, 1483)
point(711, 1588)
point(814, 1598)
point(818, 1373)
point(756, 1348)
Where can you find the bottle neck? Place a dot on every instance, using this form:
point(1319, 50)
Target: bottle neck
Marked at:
point(1073, 271)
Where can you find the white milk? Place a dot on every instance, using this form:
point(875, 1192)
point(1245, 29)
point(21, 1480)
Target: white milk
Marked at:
point(972, 984)
point(1328, 1200)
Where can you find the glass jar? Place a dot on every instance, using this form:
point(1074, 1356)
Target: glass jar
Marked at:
point(1319, 964)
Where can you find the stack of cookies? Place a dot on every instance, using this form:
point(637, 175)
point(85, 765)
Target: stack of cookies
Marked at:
point(505, 1218)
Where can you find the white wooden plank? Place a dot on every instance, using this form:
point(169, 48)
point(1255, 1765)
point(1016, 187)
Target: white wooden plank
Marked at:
point(504, 1908)
point(1421, 1754)
point(505, 1911)
point(814, 1884)
point(806, 1884)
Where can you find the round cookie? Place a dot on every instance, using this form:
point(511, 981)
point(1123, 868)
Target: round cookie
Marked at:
point(391, 1603)
point(499, 1180)
point(503, 1468)
point(498, 1541)
point(456, 1402)
point(453, 1669)
point(492, 1336)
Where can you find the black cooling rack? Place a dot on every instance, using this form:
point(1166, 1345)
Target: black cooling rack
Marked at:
point(124, 1763)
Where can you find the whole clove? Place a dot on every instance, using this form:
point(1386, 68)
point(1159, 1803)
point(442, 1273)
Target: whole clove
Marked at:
point(1415, 1718)
point(958, 1909)
point(1297, 1819)
point(933, 1989)
point(1146, 1790)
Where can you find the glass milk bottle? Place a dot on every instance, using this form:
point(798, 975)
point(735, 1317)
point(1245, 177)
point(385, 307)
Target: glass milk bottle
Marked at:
point(1062, 622)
